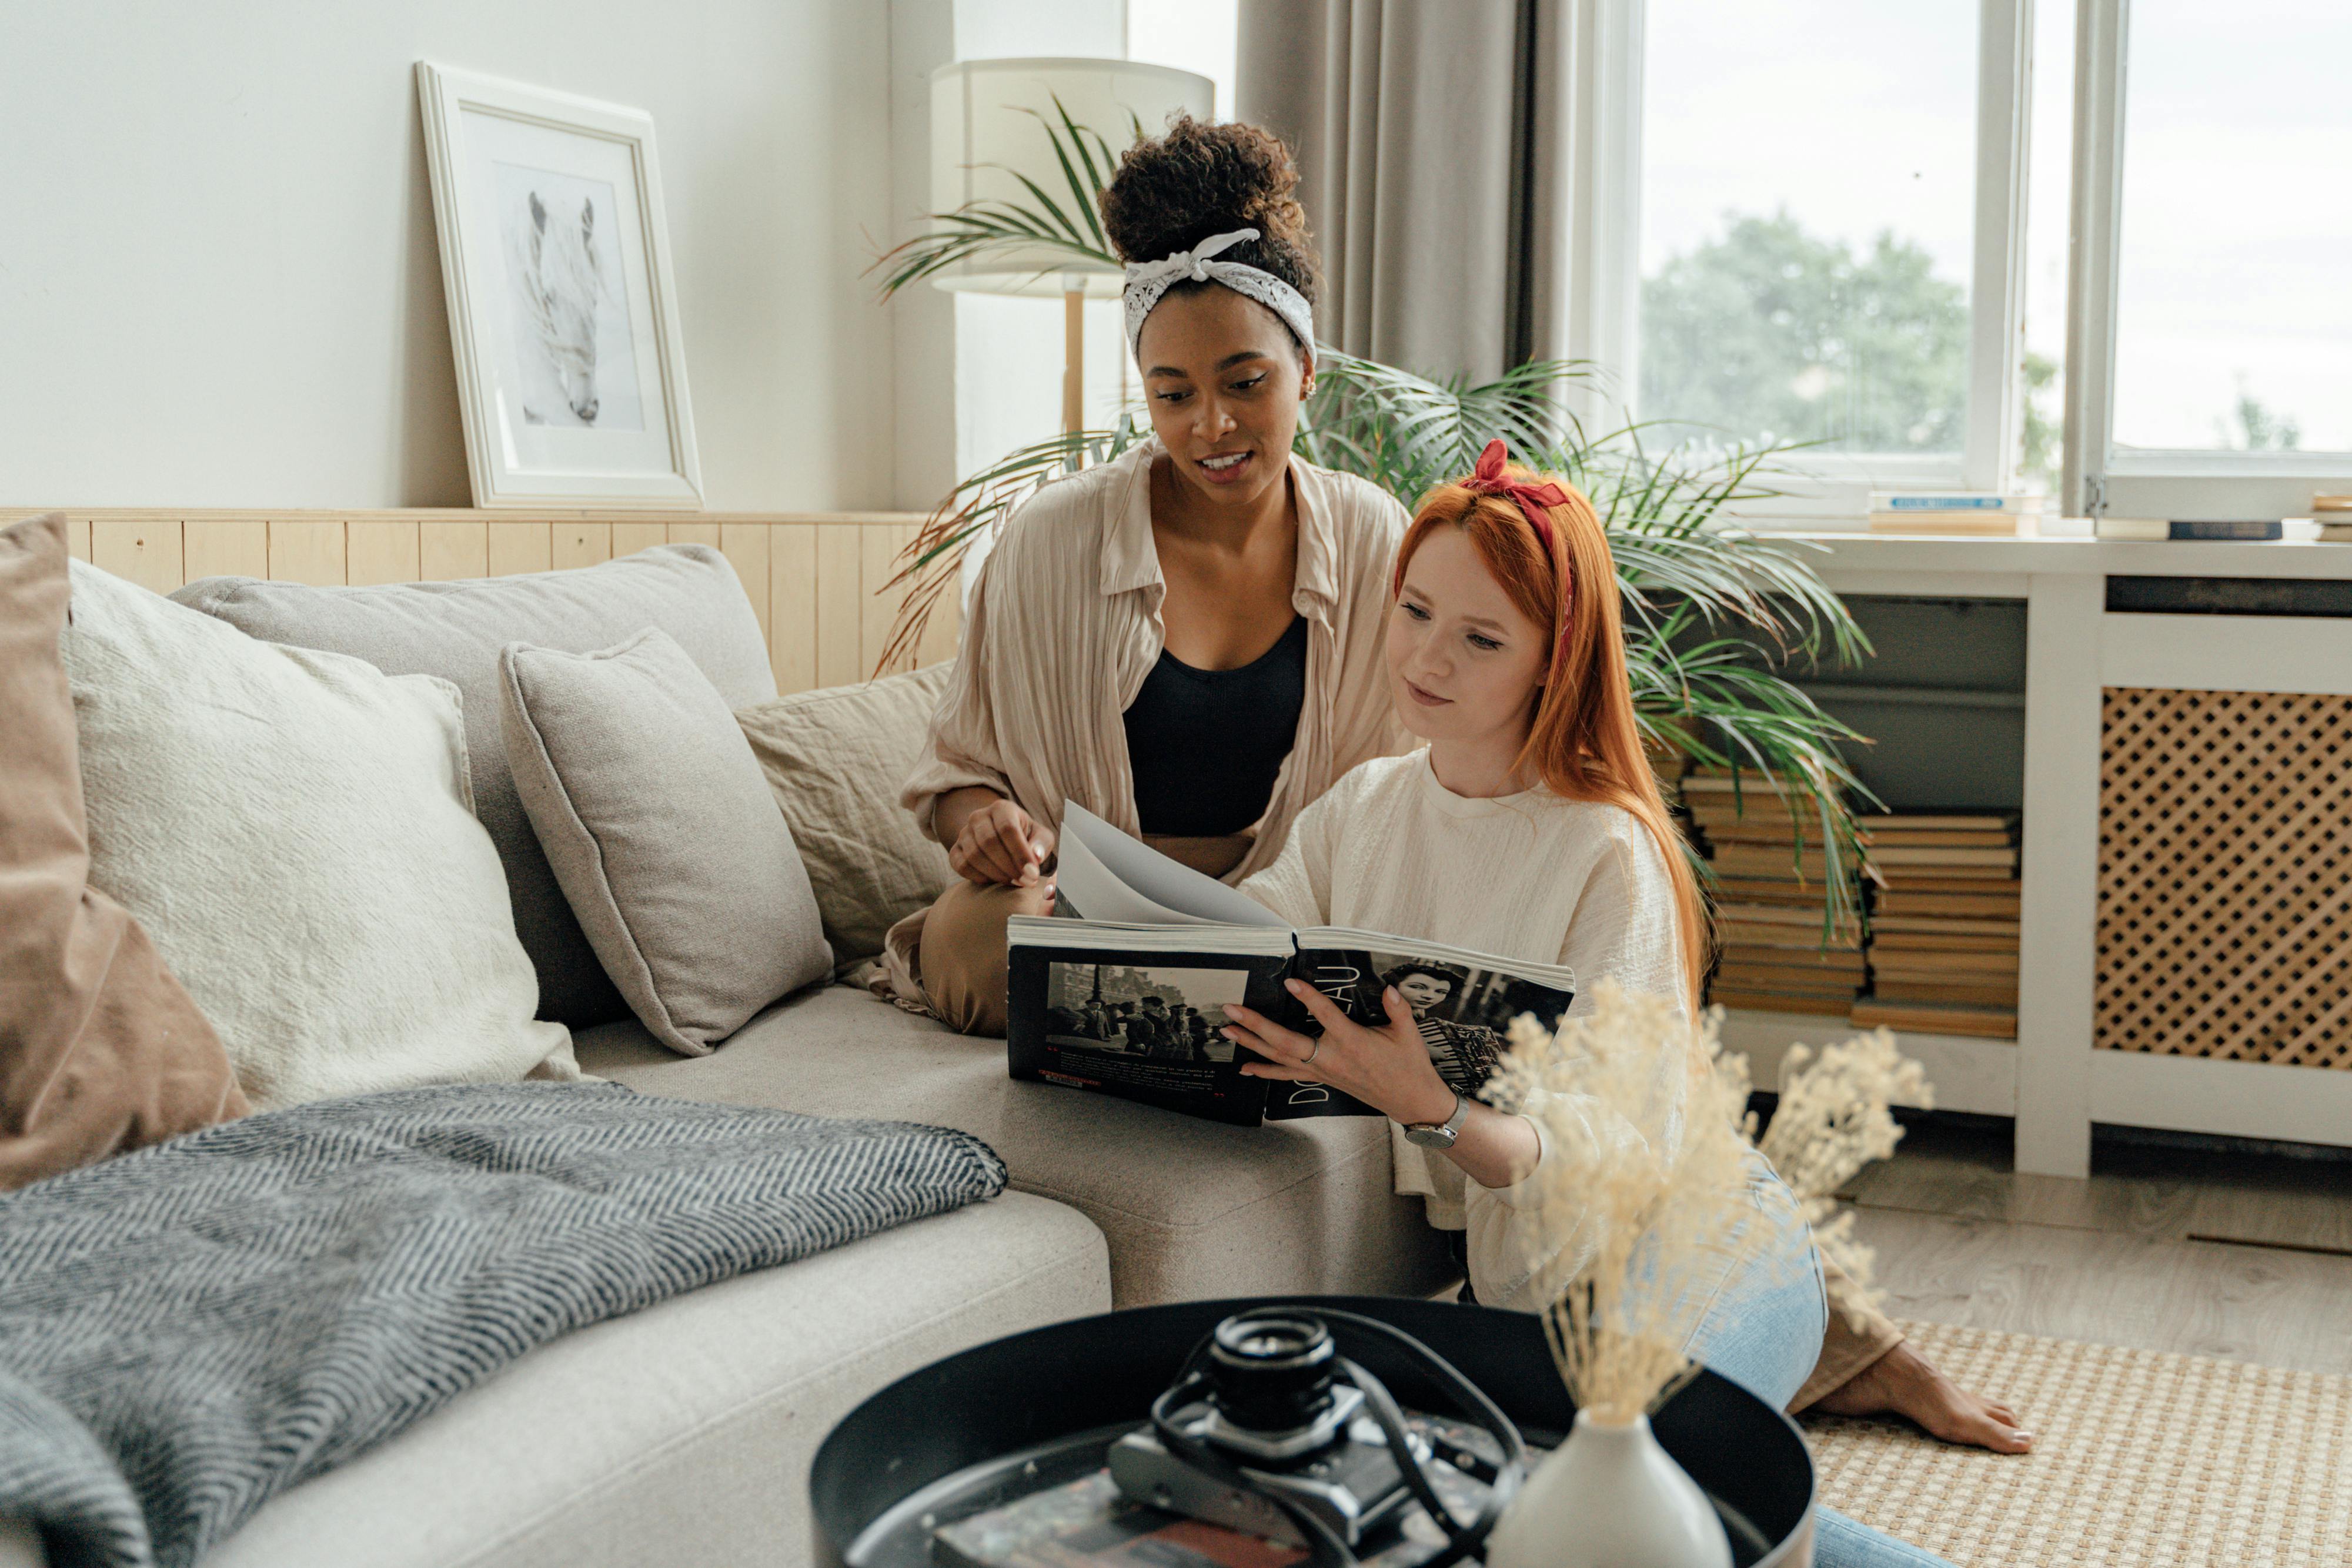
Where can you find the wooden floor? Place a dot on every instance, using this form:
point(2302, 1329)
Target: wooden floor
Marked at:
point(2243, 1254)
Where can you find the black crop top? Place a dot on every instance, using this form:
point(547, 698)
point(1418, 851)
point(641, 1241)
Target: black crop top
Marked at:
point(1205, 744)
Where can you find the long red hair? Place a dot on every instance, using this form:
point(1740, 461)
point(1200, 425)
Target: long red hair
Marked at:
point(1584, 743)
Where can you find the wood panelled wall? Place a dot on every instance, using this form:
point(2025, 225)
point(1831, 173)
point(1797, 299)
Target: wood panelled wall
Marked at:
point(815, 578)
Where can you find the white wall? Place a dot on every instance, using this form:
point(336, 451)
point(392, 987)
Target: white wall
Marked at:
point(218, 278)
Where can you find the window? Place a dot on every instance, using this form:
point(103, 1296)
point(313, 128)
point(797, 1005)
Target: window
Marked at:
point(1802, 221)
point(2214, 284)
point(2092, 247)
point(1807, 225)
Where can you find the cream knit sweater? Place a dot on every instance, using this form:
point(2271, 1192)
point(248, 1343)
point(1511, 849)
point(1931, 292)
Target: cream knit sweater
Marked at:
point(1530, 876)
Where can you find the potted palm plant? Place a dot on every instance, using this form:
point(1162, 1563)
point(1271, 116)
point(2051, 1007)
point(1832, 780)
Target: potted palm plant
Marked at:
point(1712, 611)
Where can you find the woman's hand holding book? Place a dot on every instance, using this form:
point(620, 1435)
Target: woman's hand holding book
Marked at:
point(1389, 1069)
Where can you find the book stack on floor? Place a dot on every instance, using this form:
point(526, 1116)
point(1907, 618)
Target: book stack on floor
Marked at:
point(1769, 902)
point(1955, 512)
point(1943, 924)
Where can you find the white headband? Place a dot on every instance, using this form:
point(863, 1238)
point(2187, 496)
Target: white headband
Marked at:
point(1146, 281)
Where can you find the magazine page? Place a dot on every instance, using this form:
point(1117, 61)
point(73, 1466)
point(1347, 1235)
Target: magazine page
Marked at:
point(1142, 1024)
point(1108, 875)
point(1461, 1002)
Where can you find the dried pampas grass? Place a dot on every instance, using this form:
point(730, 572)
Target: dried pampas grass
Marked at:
point(1836, 1116)
point(1644, 1192)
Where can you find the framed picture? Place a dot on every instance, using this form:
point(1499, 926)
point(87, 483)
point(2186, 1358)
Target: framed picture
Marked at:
point(563, 307)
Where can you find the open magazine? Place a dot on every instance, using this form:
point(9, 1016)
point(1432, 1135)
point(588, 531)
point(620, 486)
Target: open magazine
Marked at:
point(1123, 989)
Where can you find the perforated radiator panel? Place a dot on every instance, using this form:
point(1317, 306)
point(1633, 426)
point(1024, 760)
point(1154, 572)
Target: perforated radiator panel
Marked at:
point(2225, 875)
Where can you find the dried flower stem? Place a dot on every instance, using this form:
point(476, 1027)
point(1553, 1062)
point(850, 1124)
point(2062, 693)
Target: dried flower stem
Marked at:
point(1644, 1193)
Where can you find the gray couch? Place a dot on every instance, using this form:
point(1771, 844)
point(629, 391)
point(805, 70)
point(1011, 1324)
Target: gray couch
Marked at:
point(683, 1433)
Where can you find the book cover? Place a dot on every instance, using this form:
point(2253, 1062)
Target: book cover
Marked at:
point(1123, 989)
point(1955, 501)
point(2189, 528)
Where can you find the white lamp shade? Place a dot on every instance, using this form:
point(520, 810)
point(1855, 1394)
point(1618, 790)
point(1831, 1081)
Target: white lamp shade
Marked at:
point(984, 126)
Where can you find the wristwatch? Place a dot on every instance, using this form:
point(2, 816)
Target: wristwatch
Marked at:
point(1440, 1135)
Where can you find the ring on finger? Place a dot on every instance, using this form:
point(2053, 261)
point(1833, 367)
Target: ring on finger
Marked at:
point(1309, 1061)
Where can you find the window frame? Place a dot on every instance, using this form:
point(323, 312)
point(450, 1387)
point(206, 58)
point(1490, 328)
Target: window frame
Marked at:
point(1819, 490)
point(2099, 480)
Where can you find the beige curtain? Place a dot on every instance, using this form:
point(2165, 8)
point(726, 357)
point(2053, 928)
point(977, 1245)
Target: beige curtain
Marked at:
point(1432, 144)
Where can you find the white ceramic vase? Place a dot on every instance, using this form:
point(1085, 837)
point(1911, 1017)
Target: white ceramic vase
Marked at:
point(1609, 1496)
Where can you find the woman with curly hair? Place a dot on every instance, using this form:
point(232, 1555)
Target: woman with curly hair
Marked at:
point(1186, 639)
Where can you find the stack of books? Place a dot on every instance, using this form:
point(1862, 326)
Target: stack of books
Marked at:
point(1779, 954)
point(1955, 512)
point(1943, 923)
point(2334, 515)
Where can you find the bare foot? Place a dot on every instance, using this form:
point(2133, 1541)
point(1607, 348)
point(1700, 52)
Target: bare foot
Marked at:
point(1908, 1384)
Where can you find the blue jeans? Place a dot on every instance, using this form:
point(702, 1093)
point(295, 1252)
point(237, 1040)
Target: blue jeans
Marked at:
point(1762, 1329)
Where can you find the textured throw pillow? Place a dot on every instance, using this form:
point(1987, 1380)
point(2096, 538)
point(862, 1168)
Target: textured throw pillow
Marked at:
point(100, 1048)
point(837, 759)
point(661, 831)
point(454, 630)
point(295, 830)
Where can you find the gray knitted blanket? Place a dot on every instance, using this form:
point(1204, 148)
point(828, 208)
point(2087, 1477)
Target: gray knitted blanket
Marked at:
point(187, 1331)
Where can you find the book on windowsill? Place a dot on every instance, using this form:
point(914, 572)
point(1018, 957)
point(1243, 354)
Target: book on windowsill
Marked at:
point(1122, 989)
point(1992, 525)
point(2180, 529)
point(1957, 501)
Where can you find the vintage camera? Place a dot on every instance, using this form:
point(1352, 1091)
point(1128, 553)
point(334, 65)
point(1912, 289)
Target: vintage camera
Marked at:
point(1272, 1410)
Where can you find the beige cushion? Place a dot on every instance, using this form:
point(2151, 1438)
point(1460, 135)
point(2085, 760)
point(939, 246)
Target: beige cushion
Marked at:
point(1191, 1208)
point(295, 829)
point(454, 630)
point(662, 834)
point(683, 1433)
point(835, 760)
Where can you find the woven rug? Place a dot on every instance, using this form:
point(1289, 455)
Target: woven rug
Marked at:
point(2141, 1459)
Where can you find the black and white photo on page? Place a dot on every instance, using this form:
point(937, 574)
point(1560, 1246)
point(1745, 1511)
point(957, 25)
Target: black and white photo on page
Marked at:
point(1462, 1011)
point(1160, 1012)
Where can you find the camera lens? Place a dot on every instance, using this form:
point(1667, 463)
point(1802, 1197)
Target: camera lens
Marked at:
point(1270, 1373)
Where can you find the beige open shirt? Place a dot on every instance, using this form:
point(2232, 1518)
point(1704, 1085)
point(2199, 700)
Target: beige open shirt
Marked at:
point(1064, 625)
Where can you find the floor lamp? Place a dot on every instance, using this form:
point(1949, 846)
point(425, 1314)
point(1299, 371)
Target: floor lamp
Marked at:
point(986, 138)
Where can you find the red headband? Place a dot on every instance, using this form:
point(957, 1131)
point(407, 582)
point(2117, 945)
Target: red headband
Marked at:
point(1534, 499)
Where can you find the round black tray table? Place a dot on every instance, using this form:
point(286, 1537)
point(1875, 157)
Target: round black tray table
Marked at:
point(1036, 1410)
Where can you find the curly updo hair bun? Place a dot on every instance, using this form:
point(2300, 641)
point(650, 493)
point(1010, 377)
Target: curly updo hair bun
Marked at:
point(1174, 190)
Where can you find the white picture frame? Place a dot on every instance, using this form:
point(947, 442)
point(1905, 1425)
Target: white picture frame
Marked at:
point(562, 302)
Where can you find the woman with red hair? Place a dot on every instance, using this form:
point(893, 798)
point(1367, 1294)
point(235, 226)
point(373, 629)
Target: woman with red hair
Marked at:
point(1528, 826)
